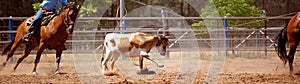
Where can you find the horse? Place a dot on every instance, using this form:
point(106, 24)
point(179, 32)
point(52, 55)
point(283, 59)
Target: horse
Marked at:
point(51, 36)
point(291, 34)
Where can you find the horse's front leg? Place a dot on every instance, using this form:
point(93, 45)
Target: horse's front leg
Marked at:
point(58, 58)
point(37, 59)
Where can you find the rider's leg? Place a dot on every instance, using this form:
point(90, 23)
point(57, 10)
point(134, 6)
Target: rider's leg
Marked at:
point(38, 17)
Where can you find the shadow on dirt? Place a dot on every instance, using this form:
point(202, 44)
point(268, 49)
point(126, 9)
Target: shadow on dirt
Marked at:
point(146, 72)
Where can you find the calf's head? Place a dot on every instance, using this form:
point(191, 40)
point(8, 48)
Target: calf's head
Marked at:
point(162, 44)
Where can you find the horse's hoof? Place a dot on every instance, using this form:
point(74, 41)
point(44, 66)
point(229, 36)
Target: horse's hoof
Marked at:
point(57, 72)
point(34, 73)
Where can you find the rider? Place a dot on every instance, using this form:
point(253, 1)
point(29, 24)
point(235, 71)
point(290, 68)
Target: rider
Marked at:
point(47, 5)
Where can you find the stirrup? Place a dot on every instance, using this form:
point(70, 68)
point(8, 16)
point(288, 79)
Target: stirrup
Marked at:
point(26, 37)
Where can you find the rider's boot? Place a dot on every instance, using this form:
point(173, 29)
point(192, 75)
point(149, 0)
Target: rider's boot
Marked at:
point(26, 37)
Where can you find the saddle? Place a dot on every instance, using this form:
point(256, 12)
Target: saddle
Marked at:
point(44, 21)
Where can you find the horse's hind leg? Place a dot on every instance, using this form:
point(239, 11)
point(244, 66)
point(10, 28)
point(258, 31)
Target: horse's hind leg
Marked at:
point(27, 51)
point(14, 47)
point(293, 47)
point(58, 57)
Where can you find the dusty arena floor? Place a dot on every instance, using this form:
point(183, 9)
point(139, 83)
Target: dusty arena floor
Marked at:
point(235, 71)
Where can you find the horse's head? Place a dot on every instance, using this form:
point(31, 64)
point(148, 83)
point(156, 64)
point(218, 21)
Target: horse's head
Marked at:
point(162, 44)
point(71, 16)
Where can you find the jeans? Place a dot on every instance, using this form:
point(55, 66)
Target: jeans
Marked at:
point(37, 20)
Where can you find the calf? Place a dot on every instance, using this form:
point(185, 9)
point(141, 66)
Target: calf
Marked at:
point(131, 45)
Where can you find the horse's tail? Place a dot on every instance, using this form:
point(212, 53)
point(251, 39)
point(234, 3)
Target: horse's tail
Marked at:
point(281, 40)
point(8, 47)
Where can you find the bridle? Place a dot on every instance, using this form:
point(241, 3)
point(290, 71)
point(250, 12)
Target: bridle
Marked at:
point(69, 23)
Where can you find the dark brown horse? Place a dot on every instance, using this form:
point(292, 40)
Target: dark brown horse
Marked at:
point(51, 36)
point(291, 34)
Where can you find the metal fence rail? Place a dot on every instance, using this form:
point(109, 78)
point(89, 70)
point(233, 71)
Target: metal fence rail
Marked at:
point(238, 38)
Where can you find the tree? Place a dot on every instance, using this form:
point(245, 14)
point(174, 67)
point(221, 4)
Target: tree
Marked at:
point(231, 8)
point(36, 6)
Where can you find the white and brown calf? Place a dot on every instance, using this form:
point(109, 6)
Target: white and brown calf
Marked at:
point(131, 45)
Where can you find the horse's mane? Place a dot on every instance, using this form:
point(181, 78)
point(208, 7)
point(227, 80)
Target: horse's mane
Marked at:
point(63, 10)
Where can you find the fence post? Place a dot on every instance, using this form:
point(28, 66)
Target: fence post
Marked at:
point(122, 15)
point(265, 21)
point(10, 29)
point(10, 23)
point(162, 12)
point(225, 35)
point(124, 25)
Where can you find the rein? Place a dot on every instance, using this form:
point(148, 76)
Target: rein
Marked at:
point(68, 21)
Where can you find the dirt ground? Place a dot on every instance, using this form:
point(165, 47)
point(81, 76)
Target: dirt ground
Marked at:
point(235, 71)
